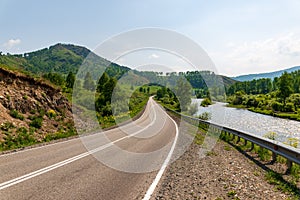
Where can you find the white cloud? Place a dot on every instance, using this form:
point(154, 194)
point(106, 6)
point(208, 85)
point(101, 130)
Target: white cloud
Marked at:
point(11, 43)
point(259, 56)
point(155, 56)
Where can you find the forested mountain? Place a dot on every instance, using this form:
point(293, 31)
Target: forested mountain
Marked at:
point(55, 62)
point(270, 75)
point(62, 59)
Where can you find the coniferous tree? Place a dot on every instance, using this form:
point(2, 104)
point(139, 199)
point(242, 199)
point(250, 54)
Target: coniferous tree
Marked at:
point(285, 86)
point(70, 80)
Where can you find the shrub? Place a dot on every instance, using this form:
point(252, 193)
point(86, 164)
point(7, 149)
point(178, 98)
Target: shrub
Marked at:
point(6, 126)
point(277, 106)
point(292, 142)
point(51, 113)
point(289, 107)
point(16, 114)
point(206, 102)
point(36, 122)
point(205, 116)
point(271, 135)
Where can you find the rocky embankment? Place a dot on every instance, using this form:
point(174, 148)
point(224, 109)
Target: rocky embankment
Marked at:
point(31, 111)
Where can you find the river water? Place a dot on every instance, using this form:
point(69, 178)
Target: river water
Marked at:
point(255, 123)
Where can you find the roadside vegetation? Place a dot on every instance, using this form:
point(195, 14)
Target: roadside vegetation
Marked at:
point(279, 97)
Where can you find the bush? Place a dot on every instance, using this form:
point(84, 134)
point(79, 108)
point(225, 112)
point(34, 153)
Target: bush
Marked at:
point(36, 122)
point(206, 102)
point(51, 113)
point(271, 135)
point(289, 107)
point(16, 114)
point(277, 106)
point(251, 102)
point(205, 116)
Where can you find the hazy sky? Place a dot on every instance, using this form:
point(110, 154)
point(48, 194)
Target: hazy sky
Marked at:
point(241, 37)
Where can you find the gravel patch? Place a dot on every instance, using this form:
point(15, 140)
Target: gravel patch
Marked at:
point(224, 173)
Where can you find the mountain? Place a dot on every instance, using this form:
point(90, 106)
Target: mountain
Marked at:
point(65, 58)
point(270, 75)
point(61, 58)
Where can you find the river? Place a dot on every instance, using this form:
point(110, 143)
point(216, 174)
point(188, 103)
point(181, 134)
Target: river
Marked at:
point(255, 123)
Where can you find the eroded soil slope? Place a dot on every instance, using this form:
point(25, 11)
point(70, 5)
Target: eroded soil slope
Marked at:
point(31, 111)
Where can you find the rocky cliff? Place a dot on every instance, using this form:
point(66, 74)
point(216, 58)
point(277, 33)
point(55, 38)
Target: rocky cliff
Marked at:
point(31, 111)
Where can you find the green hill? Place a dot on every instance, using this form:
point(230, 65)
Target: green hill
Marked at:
point(65, 58)
point(61, 58)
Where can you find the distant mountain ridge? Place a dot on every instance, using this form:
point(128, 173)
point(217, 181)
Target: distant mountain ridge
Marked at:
point(270, 75)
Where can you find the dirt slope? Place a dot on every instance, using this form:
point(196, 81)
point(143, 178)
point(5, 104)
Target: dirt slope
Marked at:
point(32, 108)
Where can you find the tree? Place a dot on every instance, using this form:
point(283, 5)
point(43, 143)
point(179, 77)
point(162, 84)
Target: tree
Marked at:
point(102, 81)
point(103, 102)
point(88, 83)
point(109, 88)
point(70, 80)
point(55, 78)
point(285, 86)
point(183, 92)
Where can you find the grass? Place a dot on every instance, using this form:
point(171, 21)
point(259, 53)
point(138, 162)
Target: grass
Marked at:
point(227, 148)
point(277, 180)
point(231, 193)
point(22, 138)
point(211, 153)
point(37, 122)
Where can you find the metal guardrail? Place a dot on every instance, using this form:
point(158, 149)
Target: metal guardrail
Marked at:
point(278, 148)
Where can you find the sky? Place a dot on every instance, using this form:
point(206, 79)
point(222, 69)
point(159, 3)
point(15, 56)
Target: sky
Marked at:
point(240, 37)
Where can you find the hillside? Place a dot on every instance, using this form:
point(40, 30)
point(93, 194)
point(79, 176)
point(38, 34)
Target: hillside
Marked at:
point(31, 110)
point(61, 58)
point(270, 75)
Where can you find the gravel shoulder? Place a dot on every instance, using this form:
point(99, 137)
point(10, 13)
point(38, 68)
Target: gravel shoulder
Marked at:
point(225, 173)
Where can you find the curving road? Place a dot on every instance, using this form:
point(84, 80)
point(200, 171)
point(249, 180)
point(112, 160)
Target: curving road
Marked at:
point(107, 170)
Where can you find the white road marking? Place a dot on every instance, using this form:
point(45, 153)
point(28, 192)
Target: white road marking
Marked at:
point(62, 142)
point(163, 167)
point(70, 160)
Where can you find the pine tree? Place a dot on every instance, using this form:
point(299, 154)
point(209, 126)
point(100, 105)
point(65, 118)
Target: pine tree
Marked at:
point(102, 81)
point(70, 80)
point(285, 86)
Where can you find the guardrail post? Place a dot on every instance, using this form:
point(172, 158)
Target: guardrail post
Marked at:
point(274, 156)
point(245, 142)
point(252, 146)
point(238, 140)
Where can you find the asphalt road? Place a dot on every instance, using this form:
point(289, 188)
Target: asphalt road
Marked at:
point(115, 164)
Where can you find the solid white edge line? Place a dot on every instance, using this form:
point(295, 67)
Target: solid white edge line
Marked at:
point(163, 167)
point(69, 160)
